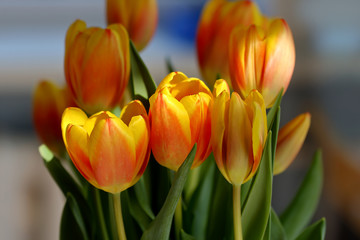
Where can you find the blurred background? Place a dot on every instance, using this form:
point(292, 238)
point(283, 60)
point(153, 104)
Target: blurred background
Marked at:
point(326, 83)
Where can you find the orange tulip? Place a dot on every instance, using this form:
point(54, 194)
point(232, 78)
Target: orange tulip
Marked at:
point(238, 132)
point(262, 57)
point(217, 21)
point(48, 105)
point(290, 139)
point(110, 152)
point(179, 115)
point(97, 65)
point(139, 17)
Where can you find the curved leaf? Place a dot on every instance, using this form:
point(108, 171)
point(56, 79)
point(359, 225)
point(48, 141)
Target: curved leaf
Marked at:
point(257, 206)
point(277, 230)
point(301, 209)
point(160, 228)
point(315, 232)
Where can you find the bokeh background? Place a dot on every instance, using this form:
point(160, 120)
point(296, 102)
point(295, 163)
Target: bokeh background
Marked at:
point(326, 82)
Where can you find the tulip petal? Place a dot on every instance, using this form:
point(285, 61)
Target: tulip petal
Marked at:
point(170, 131)
point(132, 109)
point(112, 155)
point(220, 86)
point(172, 79)
point(219, 119)
point(73, 116)
point(77, 139)
point(291, 138)
point(239, 149)
point(188, 87)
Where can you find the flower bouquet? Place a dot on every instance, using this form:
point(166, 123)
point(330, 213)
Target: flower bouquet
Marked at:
point(183, 159)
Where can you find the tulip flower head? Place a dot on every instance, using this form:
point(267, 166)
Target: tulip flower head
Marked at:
point(97, 65)
point(179, 115)
point(262, 57)
point(110, 152)
point(139, 17)
point(217, 21)
point(238, 132)
point(49, 103)
point(290, 139)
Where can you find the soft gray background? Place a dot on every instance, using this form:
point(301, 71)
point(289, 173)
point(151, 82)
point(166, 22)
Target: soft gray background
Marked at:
point(325, 82)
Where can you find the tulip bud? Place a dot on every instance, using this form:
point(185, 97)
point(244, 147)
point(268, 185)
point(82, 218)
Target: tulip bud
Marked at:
point(110, 152)
point(238, 132)
point(139, 17)
point(290, 139)
point(179, 113)
point(262, 57)
point(217, 21)
point(97, 65)
point(49, 102)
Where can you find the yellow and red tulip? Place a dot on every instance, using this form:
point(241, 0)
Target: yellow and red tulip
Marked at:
point(179, 115)
point(110, 152)
point(217, 21)
point(49, 103)
point(238, 132)
point(262, 57)
point(139, 17)
point(97, 65)
point(290, 139)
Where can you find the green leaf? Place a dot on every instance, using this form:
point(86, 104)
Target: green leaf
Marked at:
point(258, 203)
point(75, 210)
point(301, 209)
point(185, 236)
point(315, 232)
point(142, 195)
point(132, 229)
point(220, 223)
point(160, 228)
point(62, 178)
point(196, 216)
point(275, 131)
point(277, 230)
point(69, 228)
point(140, 79)
point(273, 111)
point(169, 65)
point(267, 234)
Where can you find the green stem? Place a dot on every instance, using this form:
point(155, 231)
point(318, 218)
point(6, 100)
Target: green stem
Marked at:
point(178, 218)
point(118, 217)
point(100, 215)
point(237, 212)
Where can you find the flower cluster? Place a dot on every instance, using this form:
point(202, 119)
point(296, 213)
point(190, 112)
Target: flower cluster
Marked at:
point(253, 54)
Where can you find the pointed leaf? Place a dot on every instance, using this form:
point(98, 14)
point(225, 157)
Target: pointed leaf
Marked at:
point(140, 79)
point(136, 211)
point(301, 209)
point(169, 65)
point(142, 195)
point(277, 230)
point(62, 178)
point(69, 228)
point(273, 111)
point(258, 203)
point(160, 228)
point(79, 218)
point(185, 236)
point(315, 232)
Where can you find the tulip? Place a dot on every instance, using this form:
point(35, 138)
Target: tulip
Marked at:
point(290, 139)
point(238, 132)
point(262, 57)
point(139, 17)
point(97, 65)
point(217, 21)
point(49, 102)
point(179, 115)
point(110, 152)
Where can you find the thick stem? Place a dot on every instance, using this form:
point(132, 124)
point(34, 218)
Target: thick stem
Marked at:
point(118, 217)
point(237, 212)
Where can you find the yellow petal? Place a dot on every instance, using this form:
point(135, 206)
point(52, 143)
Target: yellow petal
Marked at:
point(220, 86)
point(219, 121)
point(188, 87)
point(132, 109)
point(172, 79)
point(239, 154)
point(112, 155)
point(170, 131)
point(95, 118)
point(78, 139)
point(75, 28)
point(73, 116)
